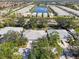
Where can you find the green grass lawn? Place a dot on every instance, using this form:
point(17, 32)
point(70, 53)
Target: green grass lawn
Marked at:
point(77, 30)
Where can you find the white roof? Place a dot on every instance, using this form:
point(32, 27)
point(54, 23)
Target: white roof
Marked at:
point(1, 20)
point(34, 14)
point(39, 14)
point(70, 10)
point(51, 14)
point(34, 34)
point(62, 33)
point(21, 50)
point(72, 30)
point(6, 29)
point(25, 9)
point(59, 11)
point(26, 14)
point(62, 57)
point(54, 50)
point(45, 14)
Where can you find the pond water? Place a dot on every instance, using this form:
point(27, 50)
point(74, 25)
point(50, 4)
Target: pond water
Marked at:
point(41, 10)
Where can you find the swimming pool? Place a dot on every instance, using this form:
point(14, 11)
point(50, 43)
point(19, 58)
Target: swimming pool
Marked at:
point(41, 10)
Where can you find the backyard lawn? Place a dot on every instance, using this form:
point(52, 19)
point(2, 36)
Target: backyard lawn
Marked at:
point(77, 30)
